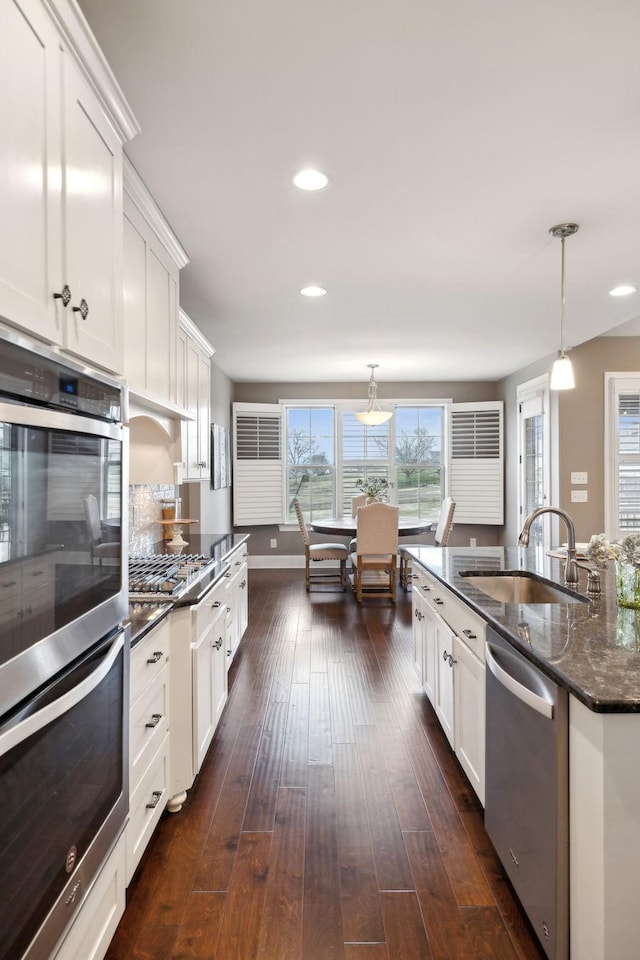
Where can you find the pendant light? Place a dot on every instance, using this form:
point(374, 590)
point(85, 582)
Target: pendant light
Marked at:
point(562, 372)
point(373, 416)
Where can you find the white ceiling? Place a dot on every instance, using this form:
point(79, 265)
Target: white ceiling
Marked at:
point(455, 133)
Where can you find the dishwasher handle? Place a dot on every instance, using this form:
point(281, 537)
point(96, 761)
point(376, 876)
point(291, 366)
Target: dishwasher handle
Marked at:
point(519, 690)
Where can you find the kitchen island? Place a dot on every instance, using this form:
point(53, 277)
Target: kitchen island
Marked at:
point(592, 648)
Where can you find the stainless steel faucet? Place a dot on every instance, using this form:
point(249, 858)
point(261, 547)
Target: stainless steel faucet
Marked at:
point(570, 567)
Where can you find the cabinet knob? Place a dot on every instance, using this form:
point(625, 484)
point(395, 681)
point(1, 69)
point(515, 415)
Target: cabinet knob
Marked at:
point(157, 655)
point(469, 634)
point(243, 584)
point(451, 660)
point(83, 309)
point(155, 720)
point(201, 463)
point(64, 295)
point(218, 643)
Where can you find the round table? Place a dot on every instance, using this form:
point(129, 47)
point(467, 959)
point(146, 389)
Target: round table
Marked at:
point(347, 527)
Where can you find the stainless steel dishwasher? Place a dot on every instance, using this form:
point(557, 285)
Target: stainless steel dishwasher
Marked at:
point(526, 808)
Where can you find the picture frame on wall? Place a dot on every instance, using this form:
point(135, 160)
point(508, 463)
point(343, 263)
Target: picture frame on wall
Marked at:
point(220, 457)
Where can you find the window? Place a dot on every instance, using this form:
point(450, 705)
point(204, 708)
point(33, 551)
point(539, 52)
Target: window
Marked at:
point(311, 470)
point(406, 451)
point(622, 456)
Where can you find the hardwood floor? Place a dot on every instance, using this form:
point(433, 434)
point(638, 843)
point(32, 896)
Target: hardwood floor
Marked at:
point(330, 820)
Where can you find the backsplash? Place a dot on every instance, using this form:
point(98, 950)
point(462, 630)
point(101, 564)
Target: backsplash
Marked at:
point(145, 509)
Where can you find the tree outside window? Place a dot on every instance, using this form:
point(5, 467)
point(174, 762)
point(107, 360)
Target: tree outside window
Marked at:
point(311, 461)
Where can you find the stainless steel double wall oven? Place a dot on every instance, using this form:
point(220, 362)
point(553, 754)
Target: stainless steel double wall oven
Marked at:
point(63, 655)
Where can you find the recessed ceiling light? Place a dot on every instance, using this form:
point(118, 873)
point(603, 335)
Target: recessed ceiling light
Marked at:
point(313, 291)
point(622, 291)
point(310, 180)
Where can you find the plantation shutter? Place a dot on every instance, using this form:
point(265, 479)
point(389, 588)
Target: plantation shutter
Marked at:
point(258, 471)
point(476, 474)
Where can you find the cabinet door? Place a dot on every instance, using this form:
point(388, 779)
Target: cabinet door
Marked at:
point(30, 199)
point(444, 652)
point(429, 671)
point(204, 425)
point(220, 689)
point(469, 701)
point(134, 290)
point(92, 190)
point(417, 630)
point(203, 695)
point(192, 465)
point(161, 328)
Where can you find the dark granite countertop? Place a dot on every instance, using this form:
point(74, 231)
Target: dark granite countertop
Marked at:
point(144, 615)
point(592, 648)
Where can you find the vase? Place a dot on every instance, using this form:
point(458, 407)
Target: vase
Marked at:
point(627, 585)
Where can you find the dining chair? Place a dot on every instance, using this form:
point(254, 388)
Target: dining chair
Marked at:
point(99, 549)
point(374, 560)
point(443, 529)
point(320, 551)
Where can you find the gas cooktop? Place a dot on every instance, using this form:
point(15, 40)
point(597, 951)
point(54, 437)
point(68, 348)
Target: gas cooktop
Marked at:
point(160, 576)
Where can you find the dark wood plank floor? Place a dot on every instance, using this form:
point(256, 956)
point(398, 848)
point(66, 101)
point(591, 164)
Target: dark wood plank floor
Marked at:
point(330, 820)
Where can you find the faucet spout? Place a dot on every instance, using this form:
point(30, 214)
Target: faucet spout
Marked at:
point(570, 567)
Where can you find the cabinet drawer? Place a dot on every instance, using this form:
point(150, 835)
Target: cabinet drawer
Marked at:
point(458, 616)
point(10, 582)
point(148, 658)
point(148, 724)
point(208, 610)
point(147, 802)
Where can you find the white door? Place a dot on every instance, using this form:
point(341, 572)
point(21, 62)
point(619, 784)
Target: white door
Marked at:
point(534, 456)
point(93, 225)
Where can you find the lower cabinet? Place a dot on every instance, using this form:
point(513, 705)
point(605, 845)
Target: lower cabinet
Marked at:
point(237, 601)
point(149, 741)
point(448, 653)
point(92, 931)
point(198, 685)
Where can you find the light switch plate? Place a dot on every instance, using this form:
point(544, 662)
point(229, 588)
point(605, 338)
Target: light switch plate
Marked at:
point(579, 496)
point(578, 476)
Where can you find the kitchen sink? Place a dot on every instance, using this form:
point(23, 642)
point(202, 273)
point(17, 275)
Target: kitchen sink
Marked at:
point(520, 586)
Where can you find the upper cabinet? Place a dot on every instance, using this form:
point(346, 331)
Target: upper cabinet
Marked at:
point(64, 122)
point(153, 258)
point(194, 393)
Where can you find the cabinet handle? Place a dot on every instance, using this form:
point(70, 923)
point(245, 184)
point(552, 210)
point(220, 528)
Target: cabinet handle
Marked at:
point(243, 584)
point(9, 583)
point(218, 643)
point(216, 604)
point(157, 655)
point(155, 801)
point(438, 600)
point(155, 720)
point(65, 295)
point(29, 609)
point(451, 660)
point(37, 573)
point(83, 309)
point(201, 463)
point(445, 656)
point(469, 634)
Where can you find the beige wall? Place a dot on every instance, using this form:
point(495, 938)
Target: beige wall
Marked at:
point(580, 428)
point(289, 543)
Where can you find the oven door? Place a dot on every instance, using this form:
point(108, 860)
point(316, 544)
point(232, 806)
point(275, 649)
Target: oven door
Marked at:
point(63, 795)
point(61, 534)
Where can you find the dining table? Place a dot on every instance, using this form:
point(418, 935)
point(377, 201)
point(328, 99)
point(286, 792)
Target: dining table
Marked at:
point(347, 526)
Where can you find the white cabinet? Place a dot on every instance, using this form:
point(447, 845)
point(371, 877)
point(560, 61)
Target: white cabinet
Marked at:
point(153, 258)
point(237, 600)
point(149, 741)
point(209, 680)
point(61, 252)
point(198, 686)
point(194, 393)
point(452, 670)
point(92, 931)
point(469, 721)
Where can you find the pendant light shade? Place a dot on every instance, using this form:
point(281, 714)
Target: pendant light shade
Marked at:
point(373, 416)
point(562, 372)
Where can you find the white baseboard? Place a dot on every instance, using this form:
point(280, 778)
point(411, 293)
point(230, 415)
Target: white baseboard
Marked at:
point(280, 561)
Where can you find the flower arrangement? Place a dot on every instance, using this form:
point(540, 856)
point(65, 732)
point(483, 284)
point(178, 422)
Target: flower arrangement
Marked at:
point(375, 487)
point(627, 550)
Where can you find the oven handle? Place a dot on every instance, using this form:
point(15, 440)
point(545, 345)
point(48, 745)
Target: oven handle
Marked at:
point(26, 728)
point(24, 416)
